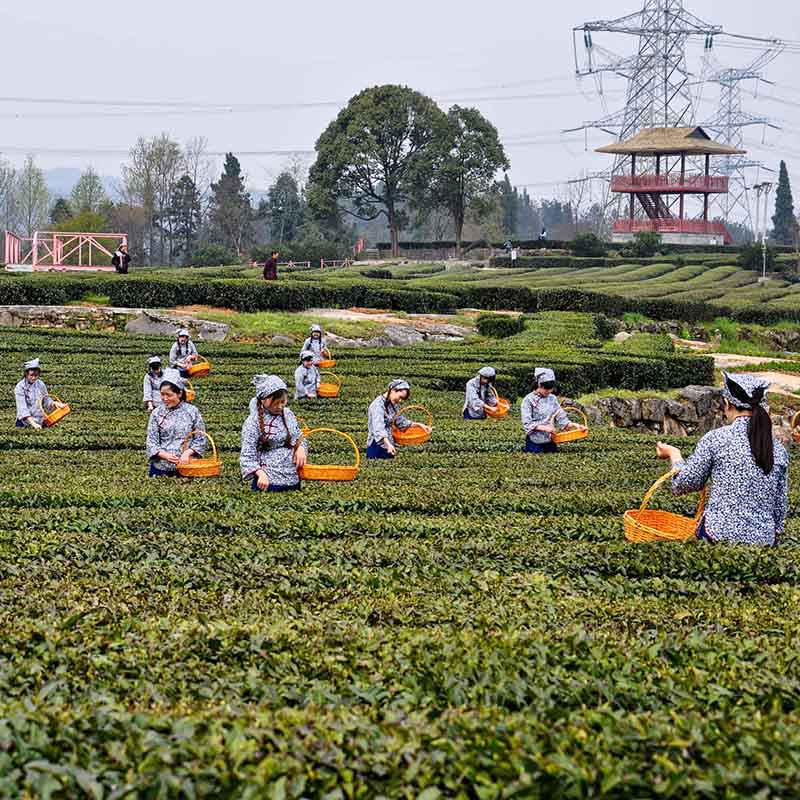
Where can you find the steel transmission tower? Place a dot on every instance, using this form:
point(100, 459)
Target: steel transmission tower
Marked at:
point(659, 84)
point(728, 125)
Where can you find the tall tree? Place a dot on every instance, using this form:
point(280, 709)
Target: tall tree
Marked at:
point(373, 157)
point(784, 224)
point(8, 181)
point(61, 211)
point(169, 163)
point(31, 198)
point(231, 213)
point(509, 202)
point(185, 216)
point(88, 194)
point(285, 208)
point(139, 189)
point(468, 155)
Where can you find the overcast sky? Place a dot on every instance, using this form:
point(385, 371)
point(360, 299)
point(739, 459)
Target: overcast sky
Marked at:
point(239, 52)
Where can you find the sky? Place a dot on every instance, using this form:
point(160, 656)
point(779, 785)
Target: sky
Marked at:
point(301, 60)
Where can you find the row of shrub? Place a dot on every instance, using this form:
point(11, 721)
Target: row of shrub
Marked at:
point(573, 262)
point(249, 295)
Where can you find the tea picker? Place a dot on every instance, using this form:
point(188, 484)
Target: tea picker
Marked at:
point(481, 398)
point(36, 408)
point(386, 424)
point(745, 465)
point(183, 353)
point(306, 377)
point(542, 415)
point(271, 452)
point(316, 344)
point(176, 430)
point(151, 393)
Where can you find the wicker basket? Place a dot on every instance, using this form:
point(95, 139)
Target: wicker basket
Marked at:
point(199, 369)
point(646, 525)
point(329, 362)
point(500, 410)
point(575, 435)
point(304, 429)
point(327, 389)
point(200, 467)
point(190, 392)
point(795, 429)
point(56, 415)
point(329, 472)
point(413, 435)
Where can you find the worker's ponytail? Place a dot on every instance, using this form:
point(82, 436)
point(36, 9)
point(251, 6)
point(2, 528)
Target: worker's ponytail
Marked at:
point(759, 434)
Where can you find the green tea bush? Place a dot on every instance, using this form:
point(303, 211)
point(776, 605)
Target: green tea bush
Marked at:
point(499, 326)
point(588, 244)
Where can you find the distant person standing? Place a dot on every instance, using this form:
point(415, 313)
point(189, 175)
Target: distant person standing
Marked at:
point(271, 267)
point(121, 259)
point(543, 234)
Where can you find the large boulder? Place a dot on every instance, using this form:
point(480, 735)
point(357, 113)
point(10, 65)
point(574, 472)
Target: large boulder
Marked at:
point(154, 324)
point(653, 409)
point(282, 341)
point(402, 335)
point(704, 398)
point(622, 337)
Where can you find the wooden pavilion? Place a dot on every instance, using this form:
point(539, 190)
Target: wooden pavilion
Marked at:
point(667, 165)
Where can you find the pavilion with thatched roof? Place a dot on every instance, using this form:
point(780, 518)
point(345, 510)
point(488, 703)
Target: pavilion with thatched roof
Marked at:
point(657, 193)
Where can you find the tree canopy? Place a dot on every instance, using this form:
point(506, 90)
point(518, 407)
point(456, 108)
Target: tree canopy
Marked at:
point(375, 154)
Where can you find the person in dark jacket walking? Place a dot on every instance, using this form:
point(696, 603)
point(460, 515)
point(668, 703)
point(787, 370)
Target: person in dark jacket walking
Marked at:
point(121, 259)
point(271, 267)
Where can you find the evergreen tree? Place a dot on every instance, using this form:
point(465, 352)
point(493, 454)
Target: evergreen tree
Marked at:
point(784, 225)
point(185, 214)
point(231, 213)
point(61, 211)
point(285, 208)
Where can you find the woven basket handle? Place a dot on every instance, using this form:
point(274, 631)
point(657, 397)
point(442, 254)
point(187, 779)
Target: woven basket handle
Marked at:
point(327, 352)
point(301, 422)
point(795, 418)
point(668, 476)
point(570, 408)
point(349, 438)
point(49, 397)
point(333, 375)
point(201, 433)
point(419, 408)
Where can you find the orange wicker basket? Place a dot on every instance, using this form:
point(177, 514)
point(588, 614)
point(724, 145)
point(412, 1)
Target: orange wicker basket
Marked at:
point(56, 415)
point(329, 472)
point(200, 467)
point(304, 429)
point(500, 410)
point(413, 435)
point(575, 435)
point(795, 429)
point(190, 392)
point(327, 389)
point(646, 525)
point(199, 369)
point(329, 362)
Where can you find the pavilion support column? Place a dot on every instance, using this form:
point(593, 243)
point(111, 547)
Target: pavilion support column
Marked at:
point(705, 206)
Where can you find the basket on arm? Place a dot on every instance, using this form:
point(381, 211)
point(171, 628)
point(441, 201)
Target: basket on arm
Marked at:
point(199, 369)
point(328, 389)
point(647, 525)
point(500, 410)
point(56, 415)
point(200, 467)
point(414, 435)
point(329, 472)
point(329, 362)
point(562, 437)
point(795, 429)
point(190, 392)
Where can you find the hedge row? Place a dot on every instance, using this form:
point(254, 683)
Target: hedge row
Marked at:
point(573, 262)
point(248, 295)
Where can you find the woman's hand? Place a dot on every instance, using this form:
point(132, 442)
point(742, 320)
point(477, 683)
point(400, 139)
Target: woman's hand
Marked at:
point(186, 456)
point(300, 457)
point(149, 405)
point(667, 451)
point(171, 458)
point(262, 481)
point(390, 448)
point(59, 405)
point(426, 428)
point(545, 429)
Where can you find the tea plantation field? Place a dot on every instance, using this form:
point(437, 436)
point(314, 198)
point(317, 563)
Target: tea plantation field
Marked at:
point(466, 621)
